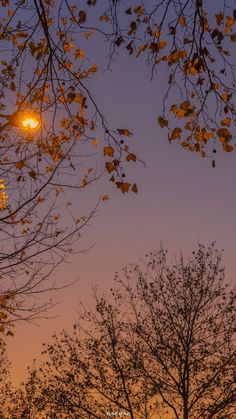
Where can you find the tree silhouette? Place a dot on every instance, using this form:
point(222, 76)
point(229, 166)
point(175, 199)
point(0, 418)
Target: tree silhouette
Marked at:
point(163, 346)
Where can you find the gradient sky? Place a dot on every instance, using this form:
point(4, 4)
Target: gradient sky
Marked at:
point(182, 200)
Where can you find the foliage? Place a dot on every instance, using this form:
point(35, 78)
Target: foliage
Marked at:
point(163, 346)
point(44, 72)
point(45, 69)
point(194, 40)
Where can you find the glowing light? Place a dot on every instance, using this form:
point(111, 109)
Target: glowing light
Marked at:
point(30, 122)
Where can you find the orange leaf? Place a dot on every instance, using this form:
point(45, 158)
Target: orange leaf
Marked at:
point(176, 133)
point(110, 166)
point(219, 18)
point(226, 122)
point(131, 157)
point(108, 151)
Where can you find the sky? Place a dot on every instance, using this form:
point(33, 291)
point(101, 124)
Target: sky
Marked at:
point(181, 201)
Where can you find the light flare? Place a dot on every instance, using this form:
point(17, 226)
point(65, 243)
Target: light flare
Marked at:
point(30, 122)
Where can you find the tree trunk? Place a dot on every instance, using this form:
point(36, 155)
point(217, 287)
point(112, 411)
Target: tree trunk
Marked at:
point(185, 413)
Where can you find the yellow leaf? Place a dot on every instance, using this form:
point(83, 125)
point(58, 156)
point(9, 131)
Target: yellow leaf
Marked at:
point(108, 151)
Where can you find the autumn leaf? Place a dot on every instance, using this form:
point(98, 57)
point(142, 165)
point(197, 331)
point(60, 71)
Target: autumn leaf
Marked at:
point(105, 198)
point(110, 166)
point(40, 200)
point(192, 70)
point(88, 34)
point(12, 86)
point(79, 53)
point(104, 18)
point(20, 164)
point(131, 157)
point(219, 18)
point(108, 151)
point(134, 188)
point(133, 27)
point(95, 142)
point(162, 122)
point(32, 174)
point(125, 132)
point(176, 133)
point(229, 21)
point(123, 186)
point(141, 49)
point(233, 37)
point(82, 16)
point(119, 41)
point(139, 10)
point(226, 122)
point(182, 21)
point(10, 12)
point(67, 46)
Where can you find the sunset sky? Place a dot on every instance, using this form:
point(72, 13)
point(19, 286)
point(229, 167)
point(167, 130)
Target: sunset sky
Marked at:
point(181, 201)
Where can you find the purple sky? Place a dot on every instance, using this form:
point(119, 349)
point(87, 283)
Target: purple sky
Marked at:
point(181, 200)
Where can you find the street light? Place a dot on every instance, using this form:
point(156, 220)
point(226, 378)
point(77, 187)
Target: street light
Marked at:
point(27, 120)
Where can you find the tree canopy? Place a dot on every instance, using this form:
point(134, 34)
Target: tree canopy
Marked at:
point(43, 74)
point(162, 344)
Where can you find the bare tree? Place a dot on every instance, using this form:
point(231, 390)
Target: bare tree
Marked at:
point(162, 347)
